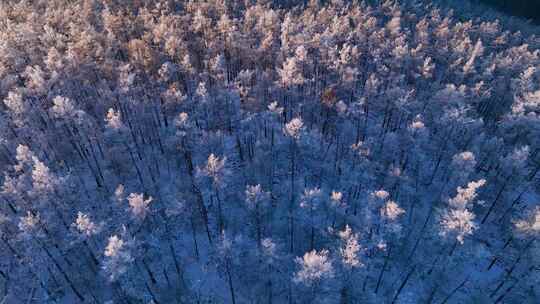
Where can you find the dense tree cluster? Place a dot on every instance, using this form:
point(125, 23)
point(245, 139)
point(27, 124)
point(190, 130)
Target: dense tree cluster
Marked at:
point(160, 151)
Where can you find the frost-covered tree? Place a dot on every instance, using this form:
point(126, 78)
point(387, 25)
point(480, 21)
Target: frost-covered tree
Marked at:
point(311, 200)
point(117, 258)
point(216, 170)
point(350, 249)
point(458, 221)
point(374, 129)
point(139, 206)
point(256, 199)
point(314, 267)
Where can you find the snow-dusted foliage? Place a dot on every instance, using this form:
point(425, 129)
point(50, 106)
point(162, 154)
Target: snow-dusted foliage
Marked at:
point(163, 151)
point(314, 266)
point(139, 206)
point(350, 250)
point(458, 219)
point(117, 258)
point(530, 225)
point(85, 226)
point(294, 128)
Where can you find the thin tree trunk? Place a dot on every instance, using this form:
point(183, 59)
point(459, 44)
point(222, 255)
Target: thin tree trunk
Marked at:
point(495, 201)
point(403, 284)
point(63, 273)
point(291, 203)
point(194, 236)
point(229, 279)
point(455, 290)
point(379, 280)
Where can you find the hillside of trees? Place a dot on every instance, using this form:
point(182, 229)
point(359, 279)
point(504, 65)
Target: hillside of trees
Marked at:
point(163, 151)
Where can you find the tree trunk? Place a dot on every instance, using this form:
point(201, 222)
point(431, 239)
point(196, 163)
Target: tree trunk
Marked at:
point(379, 280)
point(403, 284)
point(229, 279)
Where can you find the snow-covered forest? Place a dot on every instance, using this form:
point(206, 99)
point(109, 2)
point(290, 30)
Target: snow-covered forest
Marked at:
point(160, 151)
